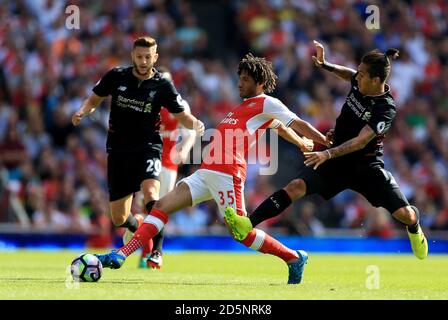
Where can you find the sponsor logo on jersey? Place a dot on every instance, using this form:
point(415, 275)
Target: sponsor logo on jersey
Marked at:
point(133, 104)
point(366, 116)
point(355, 105)
point(228, 119)
point(148, 107)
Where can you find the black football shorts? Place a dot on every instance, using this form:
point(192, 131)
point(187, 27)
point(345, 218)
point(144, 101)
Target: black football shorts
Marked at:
point(127, 170)
point(377, 185)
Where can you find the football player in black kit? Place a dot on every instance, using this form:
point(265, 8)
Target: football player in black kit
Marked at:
point(134, 144)
point(353, 162)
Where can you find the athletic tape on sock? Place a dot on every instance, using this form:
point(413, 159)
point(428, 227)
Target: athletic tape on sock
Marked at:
point(259, 240)
point(159, 224)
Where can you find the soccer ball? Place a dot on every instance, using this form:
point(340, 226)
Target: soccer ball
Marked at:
point(86, 268)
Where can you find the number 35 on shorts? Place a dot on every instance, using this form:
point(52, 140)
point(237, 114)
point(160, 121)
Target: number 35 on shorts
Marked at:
point(226, 197)
point(154, 166)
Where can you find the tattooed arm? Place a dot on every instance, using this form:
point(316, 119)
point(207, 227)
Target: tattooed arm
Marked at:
point(355, 144)
point(352, 145)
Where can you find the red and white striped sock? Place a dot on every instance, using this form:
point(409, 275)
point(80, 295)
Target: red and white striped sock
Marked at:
point(260, 241)
point(132, 246)
point(152, 225)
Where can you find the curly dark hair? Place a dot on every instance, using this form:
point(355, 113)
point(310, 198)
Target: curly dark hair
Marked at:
point(260, 70)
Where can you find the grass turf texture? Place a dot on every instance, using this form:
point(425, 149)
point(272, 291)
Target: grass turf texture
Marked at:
point(215, 276)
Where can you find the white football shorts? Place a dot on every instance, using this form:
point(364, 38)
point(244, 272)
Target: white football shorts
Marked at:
point(225, 189)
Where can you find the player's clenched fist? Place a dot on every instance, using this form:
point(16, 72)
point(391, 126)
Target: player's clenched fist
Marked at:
point(76, 118)
point(329, 137)
point(199, 127)
point(308, 145)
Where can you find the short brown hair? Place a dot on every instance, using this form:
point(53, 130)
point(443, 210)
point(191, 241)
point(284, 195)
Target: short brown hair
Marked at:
point(146, 42)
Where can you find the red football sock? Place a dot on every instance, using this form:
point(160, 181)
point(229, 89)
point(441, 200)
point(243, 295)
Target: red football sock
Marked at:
point(147, 249)
point(262, 242)
point(152, 225)
point(132, 246)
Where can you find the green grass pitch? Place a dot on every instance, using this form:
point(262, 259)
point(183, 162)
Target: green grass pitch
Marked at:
point(218, 276)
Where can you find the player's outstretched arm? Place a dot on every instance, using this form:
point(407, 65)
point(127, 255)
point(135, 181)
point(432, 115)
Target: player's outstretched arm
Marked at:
point(190, 122)
point(306, 129)
point(290, 135)
point(342, 72)
point(89, 105)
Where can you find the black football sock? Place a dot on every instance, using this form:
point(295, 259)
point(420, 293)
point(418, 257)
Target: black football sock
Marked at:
point(414, 228)
point(271, 207)
point(158, 241)
point(131, 223)
point(149, 206)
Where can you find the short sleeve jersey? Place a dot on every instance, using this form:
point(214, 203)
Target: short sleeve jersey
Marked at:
point(242, 127)
point(168, 127)
point(134, 120)
point(378, 112)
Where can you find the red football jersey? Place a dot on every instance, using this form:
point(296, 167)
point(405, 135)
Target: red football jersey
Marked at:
point(241, 129)
point(168, 125)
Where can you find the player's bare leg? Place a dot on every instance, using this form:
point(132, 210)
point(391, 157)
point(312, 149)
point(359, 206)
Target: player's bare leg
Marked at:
point(121, 216)
point(150, 189)
point(120, 210)
point(177, 199)
point(409, 216)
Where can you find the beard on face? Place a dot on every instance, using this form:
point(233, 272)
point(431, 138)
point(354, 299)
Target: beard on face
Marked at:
point(138, 72)
point(247, 93)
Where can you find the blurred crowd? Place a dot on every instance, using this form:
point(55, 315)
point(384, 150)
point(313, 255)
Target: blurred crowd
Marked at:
point(53, 175)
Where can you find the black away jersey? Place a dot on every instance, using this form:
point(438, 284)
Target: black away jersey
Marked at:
point(134, 120)
point(376, 111)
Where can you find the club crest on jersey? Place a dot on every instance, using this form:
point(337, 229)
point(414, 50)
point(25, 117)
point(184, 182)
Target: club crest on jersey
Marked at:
point(151, 96)
point(366, 116)
point(122, 88)
point(148, 104)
